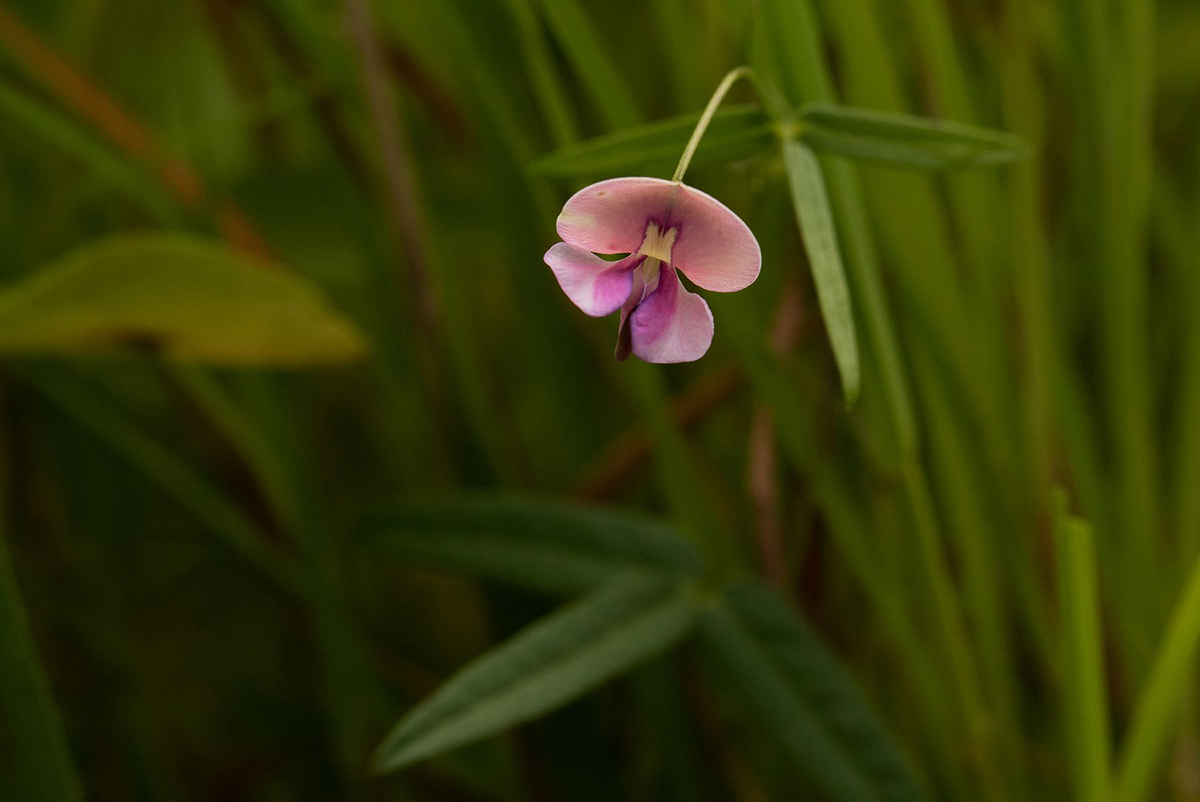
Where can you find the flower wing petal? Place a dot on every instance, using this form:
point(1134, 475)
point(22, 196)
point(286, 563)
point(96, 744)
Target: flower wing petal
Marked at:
point(714, 248)
point(671, 324)
point(611, 216)
point(596, 286)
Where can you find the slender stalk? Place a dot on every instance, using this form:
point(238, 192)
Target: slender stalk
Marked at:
point(723, 88)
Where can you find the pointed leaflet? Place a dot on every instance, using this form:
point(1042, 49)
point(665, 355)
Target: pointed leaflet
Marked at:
point(820, 242)
point(177, 296)
point(545, 666)
point(904, 140)
point(736, 132)
point(795, 692)
point(533, 543)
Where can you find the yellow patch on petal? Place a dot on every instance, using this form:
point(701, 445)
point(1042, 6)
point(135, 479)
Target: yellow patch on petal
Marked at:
point(657, 244)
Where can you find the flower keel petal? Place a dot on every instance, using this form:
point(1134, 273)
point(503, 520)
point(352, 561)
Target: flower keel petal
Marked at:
point(596, 286)
point(671, 324)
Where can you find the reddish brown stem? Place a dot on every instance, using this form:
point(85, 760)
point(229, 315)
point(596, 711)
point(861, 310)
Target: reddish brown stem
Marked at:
point(762, 476)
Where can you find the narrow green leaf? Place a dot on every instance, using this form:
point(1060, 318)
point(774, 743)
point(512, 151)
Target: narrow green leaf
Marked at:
point(540, 544)
point(1084, 692)
point(545, 666)
point(178, 296)
point(815, 218)
point(797, 693)
point(736, 132)
point(904, 140)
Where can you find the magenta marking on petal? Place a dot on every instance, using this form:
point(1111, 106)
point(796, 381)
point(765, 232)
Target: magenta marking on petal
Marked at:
point(596, 286)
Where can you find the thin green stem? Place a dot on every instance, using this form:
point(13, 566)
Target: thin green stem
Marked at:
point(723, 88)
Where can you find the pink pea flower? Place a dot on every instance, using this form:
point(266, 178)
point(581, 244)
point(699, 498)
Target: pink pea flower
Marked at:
point(662, 226)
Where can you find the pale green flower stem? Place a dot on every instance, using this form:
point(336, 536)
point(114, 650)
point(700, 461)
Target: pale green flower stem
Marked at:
point(723, 88)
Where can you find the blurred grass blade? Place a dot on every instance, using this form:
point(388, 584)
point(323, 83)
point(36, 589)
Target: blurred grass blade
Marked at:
point(177, 296)
point(41, 759)
point(1160, 702)
point(175, 477)
point(547, 82)
point(538, 544)
point(904, 140)
point(545, 666)
point(811, 203)
point(1085, 696)
point(736, 132)
point(796, 693)
point(61, 132)
point(594, 65)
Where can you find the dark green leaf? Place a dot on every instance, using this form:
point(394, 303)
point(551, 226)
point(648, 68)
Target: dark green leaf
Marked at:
point(177, 296)
point(545, 666)
point(736, 132)
point(539, 544)
point(796, 693)
point(904, 140)
point(811, 203)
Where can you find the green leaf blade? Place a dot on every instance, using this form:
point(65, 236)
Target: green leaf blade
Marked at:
point(798, 694)
point(736, 132)
point(904, 140)
point(545, 666)
point(533, 543)
point(176, 296)
point(1084, 694)
point(811, 203)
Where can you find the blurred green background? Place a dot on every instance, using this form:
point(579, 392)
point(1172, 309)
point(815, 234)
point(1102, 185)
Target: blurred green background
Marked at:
point(276, 331)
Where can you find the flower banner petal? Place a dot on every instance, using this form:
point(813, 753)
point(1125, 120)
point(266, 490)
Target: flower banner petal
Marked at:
point(713, 247)
point(611, 216)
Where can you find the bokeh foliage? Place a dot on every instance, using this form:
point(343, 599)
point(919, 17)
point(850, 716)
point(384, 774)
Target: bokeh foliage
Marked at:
point(221, 581)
